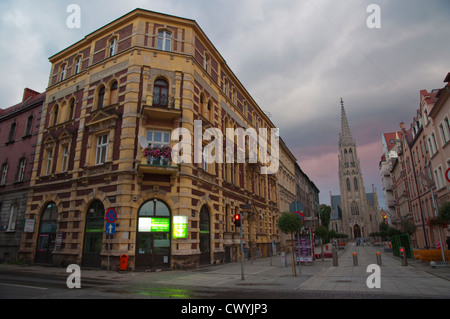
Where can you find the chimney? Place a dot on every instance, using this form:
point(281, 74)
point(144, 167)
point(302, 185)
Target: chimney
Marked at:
point(28, 93)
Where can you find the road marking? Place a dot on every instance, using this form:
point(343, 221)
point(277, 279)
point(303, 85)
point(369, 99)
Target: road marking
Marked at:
point(23, 286)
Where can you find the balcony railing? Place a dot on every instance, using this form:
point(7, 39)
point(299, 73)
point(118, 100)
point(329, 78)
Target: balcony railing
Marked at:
point(157, 166)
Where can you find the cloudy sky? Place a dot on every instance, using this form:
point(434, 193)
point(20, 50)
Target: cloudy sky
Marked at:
point(297, 58)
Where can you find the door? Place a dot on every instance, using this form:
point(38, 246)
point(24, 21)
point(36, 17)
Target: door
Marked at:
point(93, 235)
point(357, 231)
point(205, 236)
point(47, 235)
point(153, 242)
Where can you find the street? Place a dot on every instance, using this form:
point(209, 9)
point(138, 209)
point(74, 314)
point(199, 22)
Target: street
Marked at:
point(265, 279)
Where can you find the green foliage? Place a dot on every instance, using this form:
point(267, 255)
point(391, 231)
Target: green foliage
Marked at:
point(290, 223)
point(444, 212)
point(325, 215)
point(321, 231)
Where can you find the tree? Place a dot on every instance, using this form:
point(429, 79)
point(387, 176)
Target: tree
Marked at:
point(325, 215)
point(322, 232)
point(444, 212)
point(290, 223)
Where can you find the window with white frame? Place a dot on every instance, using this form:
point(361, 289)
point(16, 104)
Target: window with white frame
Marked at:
point(65, 158)
point(439, 177)
point(48, 167)
point(444, 131)
point(77, 65)
point(112, 50)
point(21, 170)
point(158, 138)
point(12, 218)
point(432, 144)
point(4, 174)
point(164, 41)
point(62, 74)
point(102, 149)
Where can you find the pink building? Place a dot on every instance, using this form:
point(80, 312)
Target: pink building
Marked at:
point(19, 126)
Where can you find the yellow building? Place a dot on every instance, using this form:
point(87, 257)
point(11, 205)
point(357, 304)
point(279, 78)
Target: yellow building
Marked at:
point(127, 85)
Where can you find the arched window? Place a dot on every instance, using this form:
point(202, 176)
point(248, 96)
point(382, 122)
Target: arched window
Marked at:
point(101, 98)
point(348, 184)
point(113, 98)
point(164, 40)
point(12, 132)
point(160, 93)
point(55, 114)
point(29, 126)
point(153, 235)
point(355, 182)
point(71, 109)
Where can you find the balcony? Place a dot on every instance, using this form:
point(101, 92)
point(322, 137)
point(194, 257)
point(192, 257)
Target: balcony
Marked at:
point(158, 166)
point(167, 109)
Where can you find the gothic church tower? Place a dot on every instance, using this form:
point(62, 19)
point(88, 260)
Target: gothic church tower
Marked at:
point(359, 210)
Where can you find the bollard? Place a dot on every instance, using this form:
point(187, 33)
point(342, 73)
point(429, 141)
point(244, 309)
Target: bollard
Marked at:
point(378, 258)
point(404, 257)
point(355, 259)
point(335, 257)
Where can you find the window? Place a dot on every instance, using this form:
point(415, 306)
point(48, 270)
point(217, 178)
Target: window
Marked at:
point(77, 68)
point(101, 98)
point(12, 218)
point(62, 74)
point(112, 47)
point(207, 63)
point(355, 182)
point(158, 138)
point(65, 158)
point(21, 169)
point(348, 184)
point(164, 41)
point(113, 93)
point(4, 174)
point(29, 126)
point(55, 114)
point(444, 131)
point(160, 93)
point(48, 168)
point(71, 109)
point(102, 149)
point(12, 132)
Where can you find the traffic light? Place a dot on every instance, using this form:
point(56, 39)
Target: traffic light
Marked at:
point(237, 220)
point(402, 251)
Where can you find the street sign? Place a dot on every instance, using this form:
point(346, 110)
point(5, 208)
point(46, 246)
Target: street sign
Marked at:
point(111, 215)
point(447, 175)
point(302, 216)
point(110, 228)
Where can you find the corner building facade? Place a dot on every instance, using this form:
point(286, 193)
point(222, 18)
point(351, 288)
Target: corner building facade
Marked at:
point(127, 85)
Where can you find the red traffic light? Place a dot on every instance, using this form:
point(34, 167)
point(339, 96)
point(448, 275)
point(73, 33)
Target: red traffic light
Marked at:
point(237, 220)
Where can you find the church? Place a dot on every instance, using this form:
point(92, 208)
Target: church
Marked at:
point(354, 212)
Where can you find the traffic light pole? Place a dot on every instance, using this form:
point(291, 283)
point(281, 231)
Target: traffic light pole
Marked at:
point(242, 249)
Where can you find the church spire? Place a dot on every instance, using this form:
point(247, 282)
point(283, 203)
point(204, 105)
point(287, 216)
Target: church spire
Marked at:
point(345, 137)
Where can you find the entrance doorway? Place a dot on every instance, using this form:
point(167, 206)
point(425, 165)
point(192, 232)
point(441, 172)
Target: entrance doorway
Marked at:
point(47, 235)
point(153, 236)
point(356, 231)
point(93, 235)
point(205, 236)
